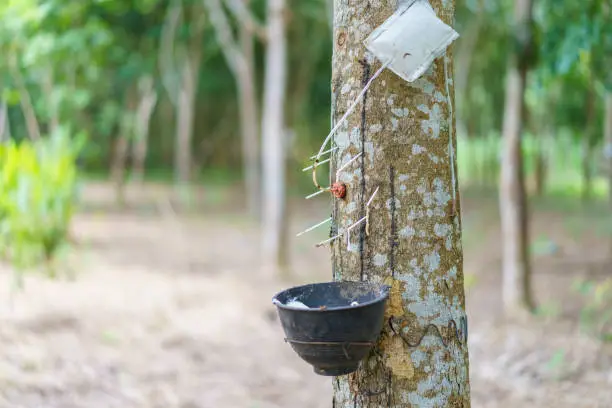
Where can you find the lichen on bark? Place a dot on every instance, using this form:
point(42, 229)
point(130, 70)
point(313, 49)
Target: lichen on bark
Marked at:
point(414, 242)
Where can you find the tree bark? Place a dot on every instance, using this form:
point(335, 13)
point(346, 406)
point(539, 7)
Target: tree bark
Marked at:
point(516, 266)
point(406, 134)
point(608, 140)
point(273, 135)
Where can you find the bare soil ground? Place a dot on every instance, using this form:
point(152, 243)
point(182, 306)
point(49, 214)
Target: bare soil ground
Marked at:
point(172, 312)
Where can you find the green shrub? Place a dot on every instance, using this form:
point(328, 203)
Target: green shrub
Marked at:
point(37, 199)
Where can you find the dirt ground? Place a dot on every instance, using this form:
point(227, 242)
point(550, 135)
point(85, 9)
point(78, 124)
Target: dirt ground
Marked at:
point(172, 312)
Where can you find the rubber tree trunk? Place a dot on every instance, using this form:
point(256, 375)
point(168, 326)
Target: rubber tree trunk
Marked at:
point(273, 137)
point(608, 140)
point(406, 133)
point(516, 266)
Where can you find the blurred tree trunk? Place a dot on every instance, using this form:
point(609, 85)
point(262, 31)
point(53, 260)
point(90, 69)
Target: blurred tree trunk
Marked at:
point(188, 89)
point(275, 245)
point(465, 53)
point(516, 266)
point(587, 144)
point(179, 64)
point(184, 127)
point(538, 130)
point(240, 58)
point(52, 103)
point(414, 241)
point(122, 144)
point(540, 169)
point(250, 125)
point(146, 107)
point(608, 140)
point(5, 126)
point(25, 100)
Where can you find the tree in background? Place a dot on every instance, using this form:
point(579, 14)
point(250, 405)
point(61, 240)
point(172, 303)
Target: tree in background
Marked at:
point(274, 140)
point(240, 57)
point(414, 242)
point(180, 64)
point(516, 266)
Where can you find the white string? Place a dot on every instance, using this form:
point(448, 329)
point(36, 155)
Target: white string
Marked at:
point(316, 194)
point(316, 165)
point(314, 226)
point(372, 197)
point(346, 165)
point(333, 149)
point(349, 229)
point(352, 107)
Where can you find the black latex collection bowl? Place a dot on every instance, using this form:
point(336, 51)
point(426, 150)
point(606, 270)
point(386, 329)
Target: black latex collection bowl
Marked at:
point(332, 335)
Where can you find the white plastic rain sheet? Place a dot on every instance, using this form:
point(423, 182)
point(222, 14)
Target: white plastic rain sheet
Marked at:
point(411, 39)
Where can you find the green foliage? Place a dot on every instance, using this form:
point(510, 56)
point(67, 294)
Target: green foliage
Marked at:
point(479, 165)
point(596, 315)
point(96, 50)
point(37, 198)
